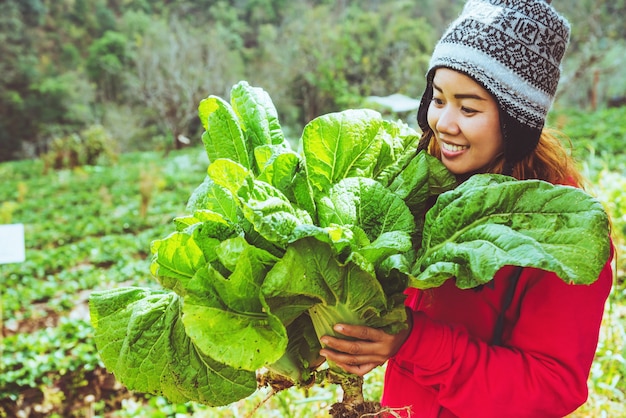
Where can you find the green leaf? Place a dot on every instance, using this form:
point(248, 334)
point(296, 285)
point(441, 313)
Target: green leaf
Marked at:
point(257, 115)
point(211, 196)
point(399, 144)
point(225, 318)
point(387, 244)
point(223, 137)
point(176, 260)
point(491, 221)
point(141, 339)
point(309, 278)
point(340, 145)
point(221, 226)
point(367, 204)
point(277, 166)
point(229, 174)
point(301, 357)
point(302, 194)
point(270, 212)
point(424, 176)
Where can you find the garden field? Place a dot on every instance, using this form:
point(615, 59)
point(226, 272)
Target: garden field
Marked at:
point(90, 228)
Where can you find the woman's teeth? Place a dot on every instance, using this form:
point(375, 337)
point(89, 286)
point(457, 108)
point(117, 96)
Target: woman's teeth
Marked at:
point(452, 147)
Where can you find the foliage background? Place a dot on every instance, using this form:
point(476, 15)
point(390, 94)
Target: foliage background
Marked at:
point(100, 149)
point(138, 68)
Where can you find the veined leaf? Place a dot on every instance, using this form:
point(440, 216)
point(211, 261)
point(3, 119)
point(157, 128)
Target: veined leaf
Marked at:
point(223, 137)
point(270, 212)
point(491, 221)
point(140, 337)
point(301, 357)
point(387, 244)
point(204, 216)
point(399, 144)
point(216, 198)
point(340, 145)
point(229, 174)
point(365, 203)
point(303, 194)
point(277, 166)
point(423, 176)
point(310, 278)
point(176, 260)
point(225, 318)
point(257, 116)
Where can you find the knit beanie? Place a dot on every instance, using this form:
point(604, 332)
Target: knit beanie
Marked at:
point(513, 48)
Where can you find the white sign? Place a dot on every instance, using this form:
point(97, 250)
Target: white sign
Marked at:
point(12, 249)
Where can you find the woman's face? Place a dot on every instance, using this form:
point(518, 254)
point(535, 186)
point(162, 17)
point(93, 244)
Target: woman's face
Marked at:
point(465, 120)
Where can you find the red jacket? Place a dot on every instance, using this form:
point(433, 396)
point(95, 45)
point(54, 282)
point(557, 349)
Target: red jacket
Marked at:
point(448, 367)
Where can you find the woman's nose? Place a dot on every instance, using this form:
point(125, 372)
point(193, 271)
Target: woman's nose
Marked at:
point(447, 122)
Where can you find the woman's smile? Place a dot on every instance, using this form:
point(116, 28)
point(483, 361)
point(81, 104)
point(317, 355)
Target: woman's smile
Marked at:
point(450, 150)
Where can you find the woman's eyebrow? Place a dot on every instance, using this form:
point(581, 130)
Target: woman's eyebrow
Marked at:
point(461, 95)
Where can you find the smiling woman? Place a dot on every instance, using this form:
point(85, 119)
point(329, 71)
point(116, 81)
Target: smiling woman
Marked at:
point(522, 345)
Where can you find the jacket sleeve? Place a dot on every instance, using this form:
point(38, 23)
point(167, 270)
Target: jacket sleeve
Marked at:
point(540, 371)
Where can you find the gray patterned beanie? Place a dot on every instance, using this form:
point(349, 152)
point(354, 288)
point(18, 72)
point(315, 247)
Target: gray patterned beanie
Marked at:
point(513, 48)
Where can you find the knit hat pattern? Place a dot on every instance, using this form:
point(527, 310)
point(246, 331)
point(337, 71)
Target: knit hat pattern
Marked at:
point(513, 48)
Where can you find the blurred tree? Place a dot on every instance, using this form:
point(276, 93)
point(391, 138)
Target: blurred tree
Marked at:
point(106, 63)
point(312, 56)
point(176, 67)
point(594, 64)
point(18, 69)
point(330, 57)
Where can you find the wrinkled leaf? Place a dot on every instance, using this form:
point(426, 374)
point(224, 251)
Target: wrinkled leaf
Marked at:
point(257, 115)
point(340, 145)
point(491, 221)
point(223, 137)
point(140, 337)
point(225, 317)
point(367, 204)
point(211, 196)
point(309, 278)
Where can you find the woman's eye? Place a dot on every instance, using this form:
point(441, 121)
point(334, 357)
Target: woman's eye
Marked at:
point(437, 101)
point(468, 111)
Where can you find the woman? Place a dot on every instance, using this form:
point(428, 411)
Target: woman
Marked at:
point(523, 345)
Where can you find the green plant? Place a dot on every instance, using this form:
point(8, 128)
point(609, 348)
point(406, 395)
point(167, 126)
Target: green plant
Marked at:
point(39, 359)
point(91, 146)
point(280, 246)
point(6, 212)
point(379, 233)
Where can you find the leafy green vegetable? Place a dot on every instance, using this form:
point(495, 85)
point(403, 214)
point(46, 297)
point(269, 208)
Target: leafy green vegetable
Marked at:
point(491, 221)
point(152, 352)
point(279, 246)
point(310, 278)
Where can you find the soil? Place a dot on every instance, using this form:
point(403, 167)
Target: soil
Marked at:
point(71, 396)
point(365, 409)
point(75, 393)
point(343, 410)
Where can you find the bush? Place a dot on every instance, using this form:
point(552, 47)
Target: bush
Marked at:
point(92, 146)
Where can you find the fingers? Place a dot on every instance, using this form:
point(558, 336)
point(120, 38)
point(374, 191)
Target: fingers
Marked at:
point(360, 332)
point(350, 359)
point(358, 356)
point(345, 346)
point(363, 341)
point(359, 365)
point(360, 370)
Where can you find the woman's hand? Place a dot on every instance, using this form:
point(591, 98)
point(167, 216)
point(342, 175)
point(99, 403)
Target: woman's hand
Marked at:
point(369, 348)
